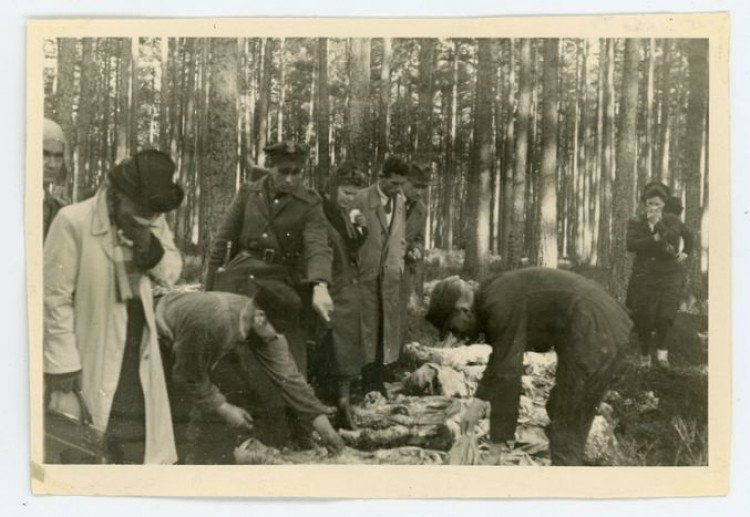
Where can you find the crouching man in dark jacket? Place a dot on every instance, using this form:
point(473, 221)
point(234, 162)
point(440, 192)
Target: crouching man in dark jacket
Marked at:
point(538, 309)
point(201, 328)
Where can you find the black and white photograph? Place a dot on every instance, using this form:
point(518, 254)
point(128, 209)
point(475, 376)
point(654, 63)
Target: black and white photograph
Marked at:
point(372, 249)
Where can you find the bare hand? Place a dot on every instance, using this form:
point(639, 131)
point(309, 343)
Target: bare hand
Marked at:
point(682, 257)
point(328, 434)
point(472, 416)
point(235, 416)
point(262, 327)
point(322, 302)
point(414, 255)
point(138, 234)
point(360, 220)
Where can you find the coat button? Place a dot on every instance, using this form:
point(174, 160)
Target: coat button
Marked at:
point(252, 276)
point(355, 282)
point(265, 235)
point(146, 357)
point(275, 201)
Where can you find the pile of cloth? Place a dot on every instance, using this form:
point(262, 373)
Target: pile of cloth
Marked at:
point(419, 422)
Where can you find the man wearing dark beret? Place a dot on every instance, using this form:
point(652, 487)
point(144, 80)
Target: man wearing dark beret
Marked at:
point(100, 338)
point(275, 229)
point(656, 279)
point(537, 309)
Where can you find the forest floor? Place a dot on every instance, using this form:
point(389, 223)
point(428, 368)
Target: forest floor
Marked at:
point(651, 416)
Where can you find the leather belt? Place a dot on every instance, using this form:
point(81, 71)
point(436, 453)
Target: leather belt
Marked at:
point(270, 256)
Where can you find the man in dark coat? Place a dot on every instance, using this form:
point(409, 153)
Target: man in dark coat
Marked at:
point(416, 221)
point(344, 348)
point(537, 309)
point(275, 229)
point(200, 330)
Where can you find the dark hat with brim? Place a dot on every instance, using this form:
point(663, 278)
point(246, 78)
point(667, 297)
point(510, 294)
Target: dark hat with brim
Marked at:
point(442, 302)
point(419, 175)
point(147, 179)
point(395, 166)
point(656, 189)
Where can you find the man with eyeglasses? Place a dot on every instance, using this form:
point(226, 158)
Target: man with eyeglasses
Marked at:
point(275, 229)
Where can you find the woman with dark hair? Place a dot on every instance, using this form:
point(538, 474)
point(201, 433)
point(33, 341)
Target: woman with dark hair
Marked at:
point(655, 282)
point(344, 347)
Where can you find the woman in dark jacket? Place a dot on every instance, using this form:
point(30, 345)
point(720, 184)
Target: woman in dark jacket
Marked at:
point(343, 344)
point(656, 279)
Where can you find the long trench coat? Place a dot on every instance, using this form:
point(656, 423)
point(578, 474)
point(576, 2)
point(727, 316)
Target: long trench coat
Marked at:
point(85, 324)
point(349, 353)
point(381, 271)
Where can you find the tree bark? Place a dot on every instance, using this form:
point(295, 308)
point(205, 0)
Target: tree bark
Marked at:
point(135, 85)
point(83, 121)
point(324, 159)
point(218, 175)
point(64, 100)
point(516, 245)
point(605, 213)
point(424, 128)
point(187, 169)
point(548, 200)
point(450, 165)
point(623, 198)
point(385, 103)
point(664, 122)
point(647, 173)
point(480, 192)
point(697, 52)
point(265, 94)
point(359, 102)
point(282, 92)
point(508, 158)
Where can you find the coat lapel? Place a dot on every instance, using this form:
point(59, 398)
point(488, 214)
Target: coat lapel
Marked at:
point(377, 206)
point(101, 226)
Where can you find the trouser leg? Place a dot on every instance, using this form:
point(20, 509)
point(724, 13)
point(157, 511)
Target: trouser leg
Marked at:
point(572, 406)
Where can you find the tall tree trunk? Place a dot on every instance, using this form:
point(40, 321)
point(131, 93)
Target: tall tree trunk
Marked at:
point(530, 223)
point(424, 127)
point(103, 154)
point(324, 160)
point(201, 158)
point(516, 245)
point(480, 193)
point(83, 121)
point(508, 156)
point(605, 213)
point(697, 53)
point(265, 94)
point(218, 175)
point(64, 101)
point(626, 162)
point(282, 92)
point(187, 169)
point(647, 172)
point(598, 175)
point(385, 103)
point(123, 101)
point(450, 165)
point(164, 93)
point(664, 122)
point(580, 181)
point(359, 102)
point(548, 200)
point(135, 85)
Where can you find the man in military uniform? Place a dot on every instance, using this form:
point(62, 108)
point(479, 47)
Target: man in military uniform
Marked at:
point(275, 229)
point(416, 221)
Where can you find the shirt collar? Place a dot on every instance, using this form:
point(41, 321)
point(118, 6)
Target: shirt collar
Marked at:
point(383, 197)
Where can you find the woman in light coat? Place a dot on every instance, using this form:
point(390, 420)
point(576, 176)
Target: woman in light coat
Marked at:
point(99, 331)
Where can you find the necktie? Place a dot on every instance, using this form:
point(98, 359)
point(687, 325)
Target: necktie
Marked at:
point(389, 205)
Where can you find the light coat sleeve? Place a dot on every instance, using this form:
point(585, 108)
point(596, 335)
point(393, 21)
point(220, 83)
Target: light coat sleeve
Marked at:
point(62, 251)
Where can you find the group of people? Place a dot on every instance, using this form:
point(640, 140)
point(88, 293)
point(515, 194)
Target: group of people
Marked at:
point(288, 267)
point(291, 271)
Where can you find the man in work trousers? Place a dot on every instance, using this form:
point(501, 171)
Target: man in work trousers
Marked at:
point(416, 221)
point(200, 330)
point(381, 260)
point(275, 229)
point(537, 309)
